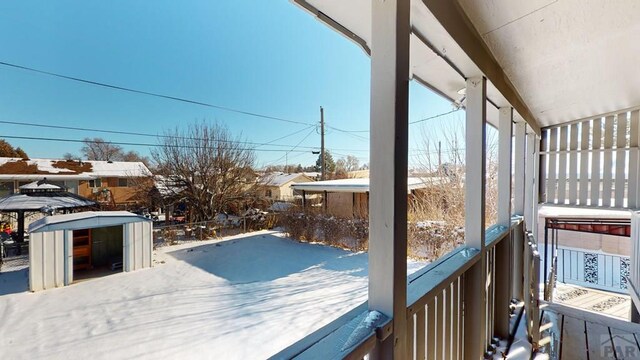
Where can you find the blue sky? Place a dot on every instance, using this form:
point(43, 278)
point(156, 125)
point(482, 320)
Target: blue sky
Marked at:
point(267, 57)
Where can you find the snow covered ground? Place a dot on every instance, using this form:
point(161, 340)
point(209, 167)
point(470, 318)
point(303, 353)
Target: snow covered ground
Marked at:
point(245, 297)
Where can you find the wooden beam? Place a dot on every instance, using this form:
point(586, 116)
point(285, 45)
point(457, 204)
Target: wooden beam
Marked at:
point(475, 281)
point(457, 24)
point(389, 156)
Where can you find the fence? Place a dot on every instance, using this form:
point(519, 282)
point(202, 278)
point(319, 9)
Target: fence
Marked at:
point(232, 225)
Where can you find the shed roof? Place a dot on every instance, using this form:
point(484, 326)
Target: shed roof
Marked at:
point(360, 185)
point(84, 220)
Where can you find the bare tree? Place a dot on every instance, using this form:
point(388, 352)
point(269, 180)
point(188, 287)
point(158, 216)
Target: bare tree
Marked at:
point(442, 161)
point(207, 168)
point(99, 149)
point(352, 163)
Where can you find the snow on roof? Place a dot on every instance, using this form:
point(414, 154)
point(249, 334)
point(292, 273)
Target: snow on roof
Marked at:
point(360, 185)
point(279, 179)
point(59, 169)
point(84, 220)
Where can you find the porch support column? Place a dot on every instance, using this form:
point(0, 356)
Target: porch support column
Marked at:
point(518, 208)
point(389, 151)
point(503, 249)
point(530, 178)
point(475, 280)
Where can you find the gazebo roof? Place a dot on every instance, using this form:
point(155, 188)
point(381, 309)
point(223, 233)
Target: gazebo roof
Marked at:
point(40, 194)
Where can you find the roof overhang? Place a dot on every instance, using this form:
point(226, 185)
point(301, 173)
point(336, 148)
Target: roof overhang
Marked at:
point(52, 177)
point(552, 61)
point(360, 185)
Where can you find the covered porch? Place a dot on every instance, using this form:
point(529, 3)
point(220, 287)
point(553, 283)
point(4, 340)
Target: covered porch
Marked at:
point(554, 78)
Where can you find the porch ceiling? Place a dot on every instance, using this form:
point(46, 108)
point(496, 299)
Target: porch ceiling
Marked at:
point(568, 59)
point(553, 61)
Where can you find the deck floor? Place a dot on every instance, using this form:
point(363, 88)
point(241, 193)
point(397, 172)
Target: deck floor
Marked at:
point(603, 302)
point(569, 333)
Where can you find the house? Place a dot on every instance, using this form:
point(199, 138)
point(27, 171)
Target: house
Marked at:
point(277, 186)
point(110, 183)
point(348, 198)
point(557, 81)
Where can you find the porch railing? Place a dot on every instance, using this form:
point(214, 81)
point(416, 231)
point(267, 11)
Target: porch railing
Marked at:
point(436, 322)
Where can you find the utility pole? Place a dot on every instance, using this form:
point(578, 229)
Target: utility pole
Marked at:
point(322, 176)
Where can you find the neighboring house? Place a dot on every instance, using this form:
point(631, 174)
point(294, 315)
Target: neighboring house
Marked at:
point(111, 183)
point(277, 186)
point(348, 198)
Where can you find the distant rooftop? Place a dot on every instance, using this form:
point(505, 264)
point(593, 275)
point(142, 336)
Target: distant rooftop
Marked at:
point(279, 179)
point(60, 169)
point(360, 185)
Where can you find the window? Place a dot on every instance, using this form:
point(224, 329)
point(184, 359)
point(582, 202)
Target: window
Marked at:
point(95, 183)
point(123, 182)
point(268, 193)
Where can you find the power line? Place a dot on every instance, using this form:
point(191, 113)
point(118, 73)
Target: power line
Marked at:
point(135, 144)
point(435, 116)
point(161, 136)
point(410, 123)
point(300, 142)
point(122, 88)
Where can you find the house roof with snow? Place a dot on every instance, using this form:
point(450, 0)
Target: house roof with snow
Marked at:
point(360, 185)
point(281, 179)
point(59, 169)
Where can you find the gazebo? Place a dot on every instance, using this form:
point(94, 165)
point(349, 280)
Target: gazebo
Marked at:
point(41, 196)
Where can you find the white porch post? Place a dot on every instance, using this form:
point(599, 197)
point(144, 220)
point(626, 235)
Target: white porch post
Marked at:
point(389, 152)
point(475, 282)
point(529, 188)
point(503, 249)
point(518, 208)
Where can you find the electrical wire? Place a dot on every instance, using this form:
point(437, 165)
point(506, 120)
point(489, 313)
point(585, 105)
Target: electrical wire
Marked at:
point(122, 88)
point(136, 144)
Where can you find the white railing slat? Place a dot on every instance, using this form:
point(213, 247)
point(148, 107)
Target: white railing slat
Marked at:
point(632, 191)
point(621, 146)
point(411, 334)
point(573, 165)
point(456, 327)
point(607, 177)
point(420, 334)
point(596, 140)
point(585, 128)
point(431, 329)
point(562, 165)
point(551, 171)
point(440, 325)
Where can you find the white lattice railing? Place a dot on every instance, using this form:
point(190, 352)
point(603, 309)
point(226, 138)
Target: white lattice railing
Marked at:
point(592, 162)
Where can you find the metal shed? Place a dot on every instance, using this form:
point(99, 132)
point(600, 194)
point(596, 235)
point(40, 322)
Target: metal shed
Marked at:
point(52, 251)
